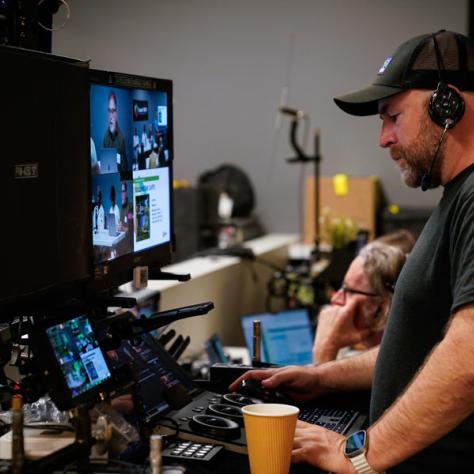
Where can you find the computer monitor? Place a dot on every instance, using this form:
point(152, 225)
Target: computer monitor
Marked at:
point(287, 337)
point(131, 139)
point(44, 177)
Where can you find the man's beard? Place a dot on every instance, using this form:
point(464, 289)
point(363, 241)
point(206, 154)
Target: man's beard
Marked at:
point(419, 155)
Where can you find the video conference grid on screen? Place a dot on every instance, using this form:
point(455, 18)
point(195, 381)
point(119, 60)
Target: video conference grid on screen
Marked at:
point(78, 354)
point(130, 159)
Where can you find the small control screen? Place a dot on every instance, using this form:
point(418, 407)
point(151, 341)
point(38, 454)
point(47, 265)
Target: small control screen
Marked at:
point(78, 354)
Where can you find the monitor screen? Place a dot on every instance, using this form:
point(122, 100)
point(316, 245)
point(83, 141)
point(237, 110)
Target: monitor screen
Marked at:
point(131, 146)
point(78, 355)
point(287, 337)
point(155, 371)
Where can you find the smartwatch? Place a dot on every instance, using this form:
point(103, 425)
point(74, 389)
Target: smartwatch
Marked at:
point(355, 449)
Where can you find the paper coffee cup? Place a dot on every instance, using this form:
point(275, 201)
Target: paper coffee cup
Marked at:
point(270, 429)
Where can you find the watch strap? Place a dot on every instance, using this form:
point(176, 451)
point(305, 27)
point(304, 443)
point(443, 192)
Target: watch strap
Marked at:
point(361, 465)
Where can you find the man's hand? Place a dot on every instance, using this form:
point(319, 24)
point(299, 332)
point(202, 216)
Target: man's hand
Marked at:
point(300, 383)
point(321, 448)
point(337, 328)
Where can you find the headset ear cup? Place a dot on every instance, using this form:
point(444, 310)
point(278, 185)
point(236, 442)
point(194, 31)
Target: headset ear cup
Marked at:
point(446, 104)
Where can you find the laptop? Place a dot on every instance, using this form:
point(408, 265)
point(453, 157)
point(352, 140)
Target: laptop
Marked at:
point(111, 225)
point(287, 336)
point(108, 160)
point(215, 350)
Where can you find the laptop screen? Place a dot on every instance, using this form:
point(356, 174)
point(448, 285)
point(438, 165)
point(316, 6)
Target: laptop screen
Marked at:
point(287, 337)
point(215, 350)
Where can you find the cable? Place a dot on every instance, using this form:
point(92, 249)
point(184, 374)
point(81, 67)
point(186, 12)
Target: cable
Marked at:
point(272, 160)
point(426, 178)
point(63, 24)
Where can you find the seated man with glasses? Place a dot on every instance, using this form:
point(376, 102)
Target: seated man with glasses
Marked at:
point(359, 309)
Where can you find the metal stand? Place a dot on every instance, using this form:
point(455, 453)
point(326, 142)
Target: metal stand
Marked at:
point(302, 157)
point(157, 274)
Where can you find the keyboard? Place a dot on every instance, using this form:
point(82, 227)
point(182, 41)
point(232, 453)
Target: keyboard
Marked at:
point(333, 419)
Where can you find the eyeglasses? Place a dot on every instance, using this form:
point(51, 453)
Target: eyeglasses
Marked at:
point(347, 289)
point(340, 296)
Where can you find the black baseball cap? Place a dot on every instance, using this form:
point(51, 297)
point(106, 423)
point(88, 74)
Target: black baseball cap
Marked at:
point(417, 65)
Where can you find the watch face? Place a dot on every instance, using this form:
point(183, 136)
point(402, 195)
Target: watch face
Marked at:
point(355, 443)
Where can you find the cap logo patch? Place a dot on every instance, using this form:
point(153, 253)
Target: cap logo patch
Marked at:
point(385, 65)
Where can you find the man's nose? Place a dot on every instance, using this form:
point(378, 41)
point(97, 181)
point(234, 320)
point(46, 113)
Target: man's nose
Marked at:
point(387, 136)
point(338, 298)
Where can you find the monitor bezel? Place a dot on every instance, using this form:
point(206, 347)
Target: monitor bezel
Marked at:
point(110, 274)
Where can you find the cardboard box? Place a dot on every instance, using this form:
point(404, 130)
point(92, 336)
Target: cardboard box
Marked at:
point(356, 197)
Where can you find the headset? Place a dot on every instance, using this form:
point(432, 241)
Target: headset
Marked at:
point(446, 108)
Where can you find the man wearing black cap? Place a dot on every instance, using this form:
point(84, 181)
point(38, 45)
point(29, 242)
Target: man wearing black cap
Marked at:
point(422, 377)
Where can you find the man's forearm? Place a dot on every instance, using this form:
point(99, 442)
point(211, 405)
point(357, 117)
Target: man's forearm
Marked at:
point(324, 352)
point(352, 373)
point(438, 399)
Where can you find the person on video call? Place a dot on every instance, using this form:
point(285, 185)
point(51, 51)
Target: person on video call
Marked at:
point(114, 209)
point(161, 151)
point(359, 309)
point(126, 209)
point(136, 148)
point(98, 213)
point(113, 137)
point(422, 377)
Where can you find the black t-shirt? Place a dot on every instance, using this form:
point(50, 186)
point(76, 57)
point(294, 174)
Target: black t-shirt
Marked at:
point(437, 279)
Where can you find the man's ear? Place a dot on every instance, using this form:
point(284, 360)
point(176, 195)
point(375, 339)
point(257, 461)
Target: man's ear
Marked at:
point(381, 315)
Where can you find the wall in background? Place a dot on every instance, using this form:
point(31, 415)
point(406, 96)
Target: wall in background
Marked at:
point(230, 63)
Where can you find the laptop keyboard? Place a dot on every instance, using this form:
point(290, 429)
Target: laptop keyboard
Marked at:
point(330, 418)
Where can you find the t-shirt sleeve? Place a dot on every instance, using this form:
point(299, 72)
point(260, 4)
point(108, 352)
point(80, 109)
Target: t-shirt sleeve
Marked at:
point(462, 252)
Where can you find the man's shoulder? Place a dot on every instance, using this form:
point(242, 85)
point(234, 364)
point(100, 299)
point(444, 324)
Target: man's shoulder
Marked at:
point(460, 190)
point(465, 179)
point(466, 189)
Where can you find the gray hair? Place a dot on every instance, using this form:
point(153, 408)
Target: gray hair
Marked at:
point(382, 265)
